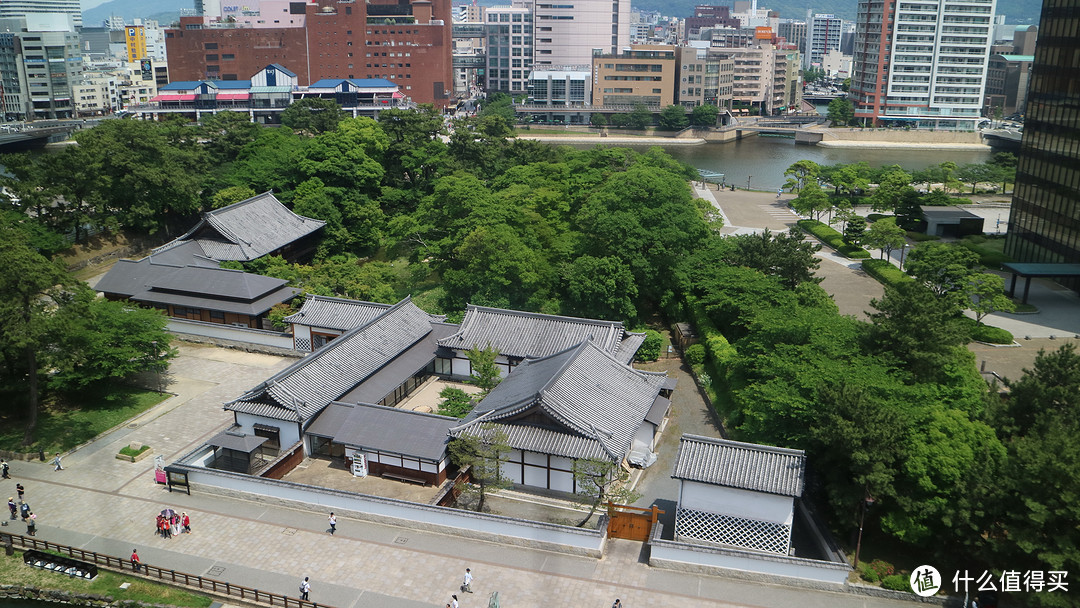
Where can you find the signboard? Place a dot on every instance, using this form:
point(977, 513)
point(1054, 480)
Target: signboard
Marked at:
point(359, 464)
point(177, 478)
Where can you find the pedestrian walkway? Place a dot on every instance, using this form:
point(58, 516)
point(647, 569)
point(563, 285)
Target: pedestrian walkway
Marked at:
point(102, 504)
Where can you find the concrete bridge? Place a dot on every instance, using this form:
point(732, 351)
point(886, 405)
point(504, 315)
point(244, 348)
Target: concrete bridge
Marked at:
point(38, 133)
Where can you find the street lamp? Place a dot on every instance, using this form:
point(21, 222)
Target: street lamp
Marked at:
point(903, 248)
point(866, 503)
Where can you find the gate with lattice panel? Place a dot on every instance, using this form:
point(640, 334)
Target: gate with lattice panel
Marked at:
point(633, 523)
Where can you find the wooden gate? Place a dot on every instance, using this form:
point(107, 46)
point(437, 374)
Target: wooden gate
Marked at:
point(633, 523)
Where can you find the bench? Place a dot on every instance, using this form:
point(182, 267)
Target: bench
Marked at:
point(405, 478)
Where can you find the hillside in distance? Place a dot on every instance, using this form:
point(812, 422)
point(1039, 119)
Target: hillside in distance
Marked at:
point(164, 11)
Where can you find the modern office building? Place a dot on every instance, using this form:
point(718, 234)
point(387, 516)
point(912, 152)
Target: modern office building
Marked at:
point(794, 32)
point(823, 35)
point(643, 74)
point(21, 8)
point(509, 48)
point(705, 76)
point(569, 32)
point(408, 42)
point(921, 62)
point(1044, 223)
point(709, 16)
point(40, 65)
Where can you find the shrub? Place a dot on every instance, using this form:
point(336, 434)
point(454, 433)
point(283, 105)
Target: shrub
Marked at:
point(873, 217)
point(833, 239)
point(986, 333)
point(876, 570)
point(921, 236)
point(650, 348)
point(885, 272)
point(695, 354)
point(896, 582)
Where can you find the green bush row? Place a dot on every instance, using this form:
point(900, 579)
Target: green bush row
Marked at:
point(986, 333)
point(885, 272)
point(833, 239)
point(718, 351)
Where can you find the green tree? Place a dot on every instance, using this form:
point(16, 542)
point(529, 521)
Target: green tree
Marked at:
point(916, 329)
point(416, 153)
point(704, 115)
point(483, 451)
point(673, 118)
point(893, 184)
point(942, 267)
point(784, 255)
point(32, 288)
point(454, 402)
point(485, 373)
point(600, 288)
point(312, 115)
point(841, 112)
point(974, 174)
point(811, 201)
point(947, 171)
point(230, 195)
point(268, 163)
point(885, 235)
point(501, 105)
point(811, 75)
point(348, 156)
point(801, 173)
point(855, 230)
point(597, 119)
point(639, 118)
point(227, 133)
point(599, 481)
point(650, 347)
point(985, 294)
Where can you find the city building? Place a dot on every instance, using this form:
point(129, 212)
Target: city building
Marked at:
point(569, 32)
point(822, 36)
point(1043, 224)
point(41, 66)
point(709, 16)
point(921, 64)
point(705, 76)
point(509, 48)
point(766, 78)
point(794, 32)
point(1007, 79)
point(560, 88)
point(642, 74)
point(408, 43)
point(97, 93)
point(22, 8)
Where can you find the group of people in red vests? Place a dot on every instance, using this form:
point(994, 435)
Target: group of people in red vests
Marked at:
point(169, 523)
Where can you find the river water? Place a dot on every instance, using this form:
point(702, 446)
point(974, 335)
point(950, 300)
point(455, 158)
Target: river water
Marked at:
point(766, 158)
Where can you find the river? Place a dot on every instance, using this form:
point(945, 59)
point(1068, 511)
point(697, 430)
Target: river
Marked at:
point(766, 158)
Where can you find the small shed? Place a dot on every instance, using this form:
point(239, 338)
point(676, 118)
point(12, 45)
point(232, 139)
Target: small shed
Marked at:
point(737, 494)
point(951, 221)
point(237, 452)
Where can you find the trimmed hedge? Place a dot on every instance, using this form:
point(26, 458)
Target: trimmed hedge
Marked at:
point(885, 272)
point(987, 333)
point(833, 239)
point(922, 236)
point(718, 351)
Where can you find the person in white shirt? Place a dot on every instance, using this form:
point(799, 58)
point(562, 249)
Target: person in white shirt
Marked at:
point(466, 584)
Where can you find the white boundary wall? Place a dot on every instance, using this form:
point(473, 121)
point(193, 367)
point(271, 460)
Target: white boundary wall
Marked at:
point(497, 528)
point(228, 332)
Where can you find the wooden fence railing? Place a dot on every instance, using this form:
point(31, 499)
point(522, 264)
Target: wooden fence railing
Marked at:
point(165, 574)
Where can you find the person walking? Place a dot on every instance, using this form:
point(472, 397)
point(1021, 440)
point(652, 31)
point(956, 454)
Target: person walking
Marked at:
point(453, 602)
point(25, 511)
point(5, 468)
point(333, 523)
point(186, 522)
point(31, 524)
point(20, 490)
point(56, 461)
point(12, 507)
point(305, 589)
point(135, 563)
point(466, 583)
point(617, 604)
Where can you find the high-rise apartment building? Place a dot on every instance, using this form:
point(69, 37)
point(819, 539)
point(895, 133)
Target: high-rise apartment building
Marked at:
point(1044, 223)
point(792, 31)
point(569, 32)
point(823, 34)
point(921, 62)
point(40, 64)
point(21, 8)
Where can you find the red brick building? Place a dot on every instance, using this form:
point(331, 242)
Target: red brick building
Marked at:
point(405, 41)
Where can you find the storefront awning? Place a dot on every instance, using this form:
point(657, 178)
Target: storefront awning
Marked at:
point(232, 96)
point(190, 97)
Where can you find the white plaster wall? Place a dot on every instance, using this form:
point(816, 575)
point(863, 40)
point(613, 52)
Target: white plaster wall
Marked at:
point(302, 332)
point(740, 503)
point(678, 556)
point(228, 332)
point(290, 434)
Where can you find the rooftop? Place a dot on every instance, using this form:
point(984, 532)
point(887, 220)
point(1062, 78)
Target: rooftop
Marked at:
point(746, 466)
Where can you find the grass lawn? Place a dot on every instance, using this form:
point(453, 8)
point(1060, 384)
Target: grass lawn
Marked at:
point(65, 421)
point(991, 251)
point(14, 572)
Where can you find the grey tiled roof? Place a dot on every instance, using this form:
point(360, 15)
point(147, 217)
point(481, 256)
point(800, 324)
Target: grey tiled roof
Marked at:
point(528, 334)
point(230, 439)
point(207, 287)
point(592, 402)
point(387, 429)
point(304, 388)
point(247, 230)
point(747, 466)
point(336, 313)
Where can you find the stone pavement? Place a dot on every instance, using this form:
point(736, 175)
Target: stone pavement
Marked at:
point(102, 504)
